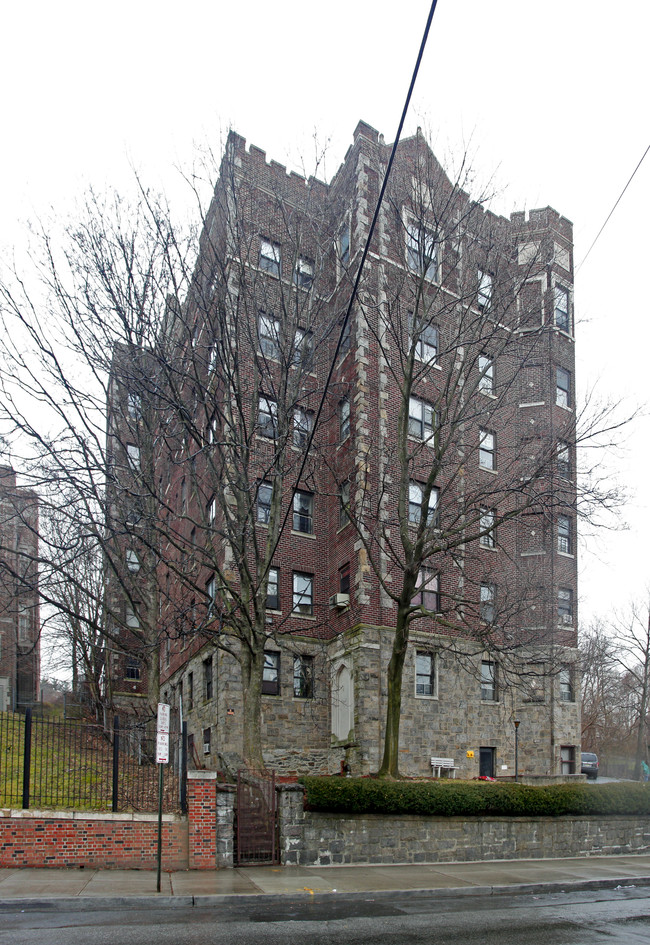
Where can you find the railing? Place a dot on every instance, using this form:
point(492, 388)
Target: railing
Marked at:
point(80, 765)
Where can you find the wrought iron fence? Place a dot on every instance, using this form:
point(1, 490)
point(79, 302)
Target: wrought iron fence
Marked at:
point(81, 765)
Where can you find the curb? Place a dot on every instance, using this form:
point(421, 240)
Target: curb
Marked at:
point(111, 903)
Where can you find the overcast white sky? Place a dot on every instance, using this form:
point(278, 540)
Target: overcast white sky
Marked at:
point(548, 98)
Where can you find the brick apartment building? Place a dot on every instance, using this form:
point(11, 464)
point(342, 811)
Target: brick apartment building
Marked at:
point(443, 453)
point(19, 600)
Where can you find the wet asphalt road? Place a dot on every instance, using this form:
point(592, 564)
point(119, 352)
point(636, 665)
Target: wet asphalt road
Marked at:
point(615, 917)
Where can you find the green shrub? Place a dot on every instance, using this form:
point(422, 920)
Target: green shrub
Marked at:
point(467, 798)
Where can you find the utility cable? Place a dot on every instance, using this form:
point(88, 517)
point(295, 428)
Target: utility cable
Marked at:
point(584, 259)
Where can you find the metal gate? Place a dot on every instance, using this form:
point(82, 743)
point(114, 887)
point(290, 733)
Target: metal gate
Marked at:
point(256, 818)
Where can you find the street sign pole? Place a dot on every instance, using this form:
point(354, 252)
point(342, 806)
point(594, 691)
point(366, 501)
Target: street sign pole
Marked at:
point(162, 757)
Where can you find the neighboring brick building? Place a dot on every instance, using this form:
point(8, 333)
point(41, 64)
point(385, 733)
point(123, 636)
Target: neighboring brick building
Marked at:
point(19, 600)
point(462, 339)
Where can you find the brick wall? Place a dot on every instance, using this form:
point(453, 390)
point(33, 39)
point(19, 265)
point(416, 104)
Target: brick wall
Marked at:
point(102, 841)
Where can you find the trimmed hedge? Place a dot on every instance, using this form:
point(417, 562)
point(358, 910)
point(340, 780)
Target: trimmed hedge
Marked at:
point(471, 798)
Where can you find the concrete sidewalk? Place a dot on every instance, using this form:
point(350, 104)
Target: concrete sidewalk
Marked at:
point(31, 888)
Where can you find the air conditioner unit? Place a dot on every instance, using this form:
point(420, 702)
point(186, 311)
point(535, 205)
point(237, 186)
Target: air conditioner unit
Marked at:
point(567, 619)
point(206, 748)
point(339, 600)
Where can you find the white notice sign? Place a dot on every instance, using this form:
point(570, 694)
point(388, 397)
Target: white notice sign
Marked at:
point(162, 748)
point(163, 718)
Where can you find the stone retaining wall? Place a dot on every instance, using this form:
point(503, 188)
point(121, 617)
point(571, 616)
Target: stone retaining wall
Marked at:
point(313, 839)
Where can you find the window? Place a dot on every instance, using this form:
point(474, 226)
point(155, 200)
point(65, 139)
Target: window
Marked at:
point(268, 417)
point(303, 274)
point(24, 623)
point(346, 335)
point(212, 431)
point(564, 544)
point(488, 681)
point(183, 496)
point(422, 419)
point(270, 257)
point(133, 456)
point(211, 511)
point(211, 592)
point(132, 561)
point(486, 374)
point(131, 618)
point(565, 605)
point(344, 244)
point(421, 254)
point(132, 670)
point(488, 596)
point(563, 388)
point(271, 673)
point(563, 459)
point(568, 759)
point(426, 345)
point(427, 590)
point(303, 423)
point(425, 674)
point(303, 677)
point(190, 691)
point(487, 456)
point(303, 348)
point(561, 308)
point(207, 741)
point(303, 593)
point(303, 512)
point(566, 685)
point(207, 679)
point(268, 329)
point(344, 419)
point(416, 494)
point(344, 505)
point(487, 538)
point(273, 590)
point(264, 493)
point(485, 286)
point(344, 578)
point(134, 405)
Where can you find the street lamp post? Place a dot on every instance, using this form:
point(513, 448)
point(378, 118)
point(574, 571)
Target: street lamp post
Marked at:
point(517, 723)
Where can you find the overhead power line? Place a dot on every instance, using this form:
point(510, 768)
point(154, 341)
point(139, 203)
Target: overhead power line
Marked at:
point(614, 208)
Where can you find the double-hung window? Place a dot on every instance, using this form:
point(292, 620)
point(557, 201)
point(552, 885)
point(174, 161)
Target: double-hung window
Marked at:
point(487, 537)
point(427, 590)
point(303, 677)
point(426, 344)
point(564, 543)
point(566, 685)
point(133, 456)
point(273, 590)
point(268, 417)
point(344, 504)
point(487, 451)
point(425, 674)
point(563, 459)
point(485, 287)
point(271, 673)
point(422, 419)
point(488, 596)
point(303, 593)
point(303, 512)
point(303, 423)
point(303, 349)
point(563, 388)
point(416, 495)
point(489, 691)
point(269, 335)
point(344, 244)
point(303, 274)
point(344, 419)
point(561, 307)
point(421, 253)
point(269, 257)
point(485, 374)
point(565, 605)
point(264, 492)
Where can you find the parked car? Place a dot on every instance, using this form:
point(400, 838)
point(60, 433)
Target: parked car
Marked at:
point(589, 765)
